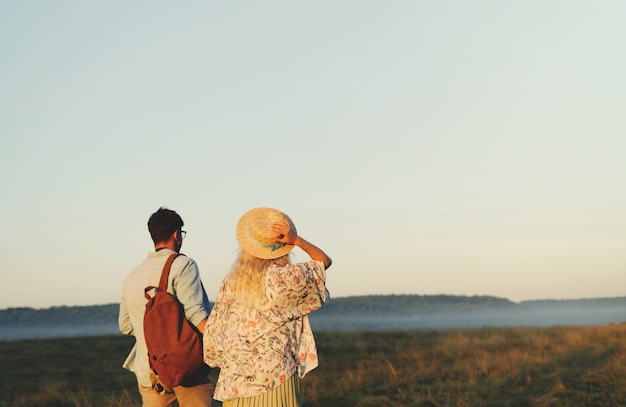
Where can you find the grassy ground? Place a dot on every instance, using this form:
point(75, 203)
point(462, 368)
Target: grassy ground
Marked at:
point(561, 366)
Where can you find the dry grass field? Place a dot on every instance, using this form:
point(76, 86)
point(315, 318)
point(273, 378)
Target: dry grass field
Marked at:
point(559, 366)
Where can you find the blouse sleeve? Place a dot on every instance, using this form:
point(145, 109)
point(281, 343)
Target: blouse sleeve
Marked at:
point(296, 290)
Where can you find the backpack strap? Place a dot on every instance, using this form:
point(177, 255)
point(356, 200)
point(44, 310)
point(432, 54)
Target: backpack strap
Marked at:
point(165, 274)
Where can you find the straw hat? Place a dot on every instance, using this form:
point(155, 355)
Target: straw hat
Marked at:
point(255, 234)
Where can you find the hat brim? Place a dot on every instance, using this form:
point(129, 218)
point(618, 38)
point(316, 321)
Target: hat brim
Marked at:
point(253, 247)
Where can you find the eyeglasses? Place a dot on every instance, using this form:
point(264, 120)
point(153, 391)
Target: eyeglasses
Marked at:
point(183, 234)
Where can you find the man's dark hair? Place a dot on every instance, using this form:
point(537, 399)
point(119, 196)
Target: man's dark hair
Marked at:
point(163, 223)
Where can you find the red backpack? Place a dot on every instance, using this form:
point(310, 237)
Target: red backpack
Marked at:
point(174, 344)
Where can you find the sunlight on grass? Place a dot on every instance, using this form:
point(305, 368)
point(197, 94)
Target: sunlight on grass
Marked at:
point(559, 366)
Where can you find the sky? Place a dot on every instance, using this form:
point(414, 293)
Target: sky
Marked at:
point(449, 147)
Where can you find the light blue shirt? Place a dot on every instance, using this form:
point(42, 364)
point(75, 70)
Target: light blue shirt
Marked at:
point(184, 282)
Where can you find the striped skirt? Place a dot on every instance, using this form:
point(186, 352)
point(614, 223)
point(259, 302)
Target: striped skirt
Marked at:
point(286, 395)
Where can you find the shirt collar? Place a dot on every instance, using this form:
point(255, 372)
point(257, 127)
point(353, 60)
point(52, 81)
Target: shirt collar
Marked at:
point(161, 253)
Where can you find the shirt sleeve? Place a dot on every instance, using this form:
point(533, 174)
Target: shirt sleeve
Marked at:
point(189, 290)
point(126, 327)
point(296, 290)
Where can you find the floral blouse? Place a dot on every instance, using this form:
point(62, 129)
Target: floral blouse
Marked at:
point(257, 348)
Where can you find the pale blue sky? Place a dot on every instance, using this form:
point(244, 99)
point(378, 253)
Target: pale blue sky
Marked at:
point(449, 147)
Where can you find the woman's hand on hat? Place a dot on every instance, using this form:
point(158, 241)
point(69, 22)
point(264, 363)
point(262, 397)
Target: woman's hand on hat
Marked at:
point(285, 233)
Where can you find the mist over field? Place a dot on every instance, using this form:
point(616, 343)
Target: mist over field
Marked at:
point(349, 314)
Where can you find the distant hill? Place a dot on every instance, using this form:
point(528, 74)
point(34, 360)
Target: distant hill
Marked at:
point(370, 312)
point(585, 302)
point(411, 304)
point(89, 315)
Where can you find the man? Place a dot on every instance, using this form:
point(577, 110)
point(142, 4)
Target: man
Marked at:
point(165, 228)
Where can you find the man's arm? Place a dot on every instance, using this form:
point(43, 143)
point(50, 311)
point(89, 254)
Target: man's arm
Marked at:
point(190, 292)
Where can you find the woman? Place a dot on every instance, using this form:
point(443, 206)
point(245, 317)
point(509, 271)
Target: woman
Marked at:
point(258, 332)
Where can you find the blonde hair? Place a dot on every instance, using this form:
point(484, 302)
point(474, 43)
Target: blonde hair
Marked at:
point(247, 276)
